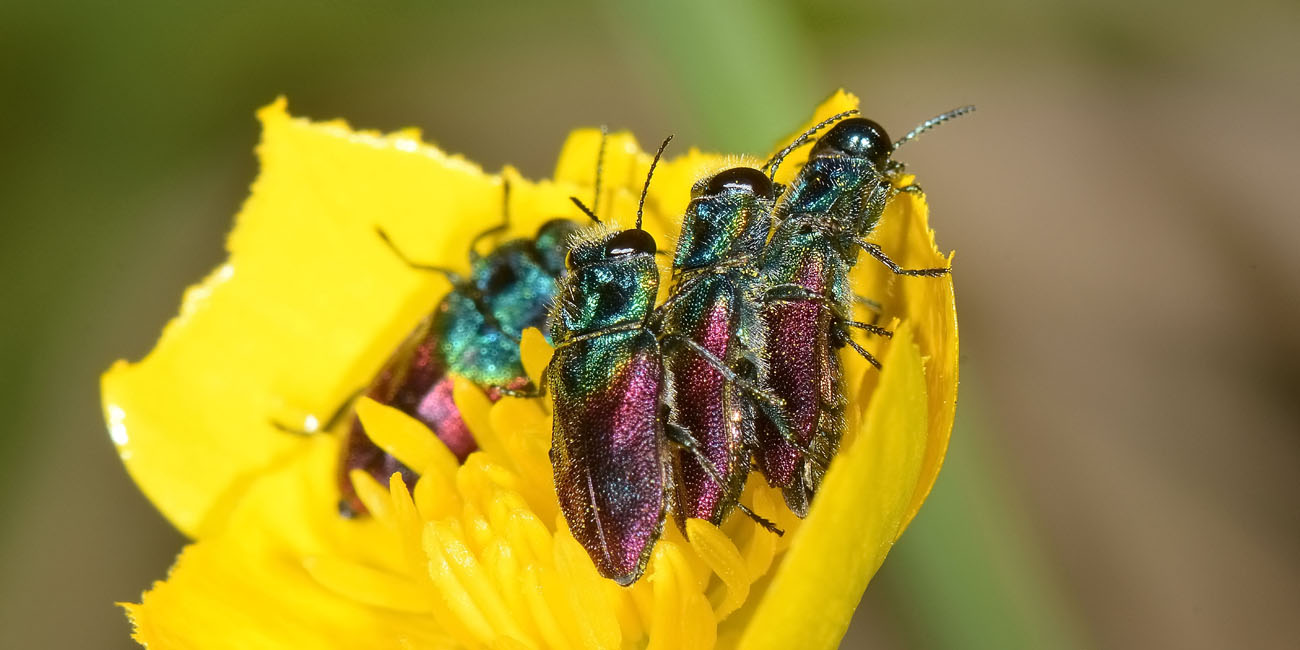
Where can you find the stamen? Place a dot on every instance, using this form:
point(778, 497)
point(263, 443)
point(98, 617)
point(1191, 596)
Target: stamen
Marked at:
point(370, 586)
point(722, 556)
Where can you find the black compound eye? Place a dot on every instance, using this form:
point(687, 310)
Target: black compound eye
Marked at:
point(856, 137)
point(741, 179)
point(630, 242)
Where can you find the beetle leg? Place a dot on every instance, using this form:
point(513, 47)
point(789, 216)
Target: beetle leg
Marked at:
point(874, 329)
point(871, 305)
point(874, 251)
point(771, 404)
point(613, 329)
point(451, 275)
point(455, 278)
point(526, 394)
point(862, 351)
point(683, 438)
point(761, 521)
point(538, 390)
point(802, 293)
point(727, 373)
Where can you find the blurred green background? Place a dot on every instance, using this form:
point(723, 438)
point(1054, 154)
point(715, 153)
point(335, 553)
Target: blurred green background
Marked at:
point(1123, 470)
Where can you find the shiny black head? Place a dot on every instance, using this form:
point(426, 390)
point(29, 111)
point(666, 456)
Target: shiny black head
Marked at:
point(729, 214)
point(610, 248)
point(629, 242)
point(856, 137)
point(613, 278)
point(743, 180)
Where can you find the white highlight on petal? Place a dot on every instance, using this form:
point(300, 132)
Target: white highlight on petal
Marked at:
point(116, 426)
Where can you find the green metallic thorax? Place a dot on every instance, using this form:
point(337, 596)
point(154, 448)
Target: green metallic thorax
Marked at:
point(479, 323)
point(604, 293)
point(715, 229)
point(850, 193)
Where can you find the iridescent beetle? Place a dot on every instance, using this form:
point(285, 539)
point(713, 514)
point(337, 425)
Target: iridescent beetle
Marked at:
point(474, 333)
point(822, 222)
point(713, 335)
point(609, 445)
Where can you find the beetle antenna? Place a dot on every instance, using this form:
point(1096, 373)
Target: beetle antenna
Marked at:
point(585, 210)
point(775, 160)
point(933, 122)
point(640, 206)
point(600, 167)
point(501, 227)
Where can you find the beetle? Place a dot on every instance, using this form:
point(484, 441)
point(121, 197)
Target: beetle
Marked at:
point(833, 204)
point(610, 439)
point(473, 332)
point(713, 335)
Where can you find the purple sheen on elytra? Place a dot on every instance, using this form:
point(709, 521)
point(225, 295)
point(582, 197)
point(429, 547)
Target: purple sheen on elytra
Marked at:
point(804, 372)
point(413, 381)
point(709, 408)
point(801, 372)
point(606, 449)
point(438, 410)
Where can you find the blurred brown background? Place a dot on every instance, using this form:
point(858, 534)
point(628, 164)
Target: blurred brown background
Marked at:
point(1123, 472)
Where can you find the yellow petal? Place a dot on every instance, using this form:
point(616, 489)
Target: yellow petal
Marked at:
point(535, 353)
point(288, 572)
point(854, 519)
point(218, 596)
point(369, 586)
point(406, 438)
point(904, 234)
point(308, 305)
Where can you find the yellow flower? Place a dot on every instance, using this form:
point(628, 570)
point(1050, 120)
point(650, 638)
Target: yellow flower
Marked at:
point(306, 310)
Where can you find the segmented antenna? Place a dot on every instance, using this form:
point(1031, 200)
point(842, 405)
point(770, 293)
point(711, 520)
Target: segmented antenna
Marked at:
point(650, 174)
point(585, 210)
point(775, 160)
point(933, 122)
point(600, 166)
point(501, 227)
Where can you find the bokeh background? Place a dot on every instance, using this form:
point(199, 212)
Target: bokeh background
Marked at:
point(1123, 472)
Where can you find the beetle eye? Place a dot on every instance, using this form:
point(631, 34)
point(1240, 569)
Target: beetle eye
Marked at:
point(741, 179)
point(856, 137)
point(630, 242)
